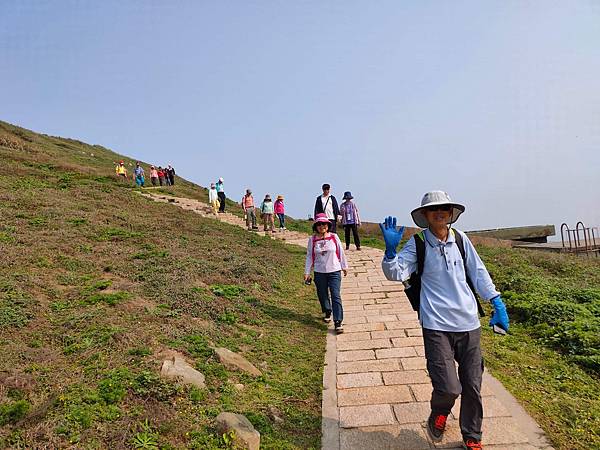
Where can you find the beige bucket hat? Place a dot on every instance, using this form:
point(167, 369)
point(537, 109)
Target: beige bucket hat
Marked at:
point(436, 198)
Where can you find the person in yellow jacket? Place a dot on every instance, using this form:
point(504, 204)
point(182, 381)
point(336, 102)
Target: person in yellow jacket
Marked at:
point(121, 171)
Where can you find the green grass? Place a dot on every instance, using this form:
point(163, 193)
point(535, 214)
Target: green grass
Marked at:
point(98, 282)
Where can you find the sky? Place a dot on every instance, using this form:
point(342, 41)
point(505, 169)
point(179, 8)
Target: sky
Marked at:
point(495, 102)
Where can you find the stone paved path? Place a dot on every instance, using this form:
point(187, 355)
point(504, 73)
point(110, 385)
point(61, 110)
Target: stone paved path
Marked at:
point(376, 389)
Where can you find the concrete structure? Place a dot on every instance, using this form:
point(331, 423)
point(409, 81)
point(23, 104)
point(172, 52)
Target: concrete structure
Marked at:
point(533, 233)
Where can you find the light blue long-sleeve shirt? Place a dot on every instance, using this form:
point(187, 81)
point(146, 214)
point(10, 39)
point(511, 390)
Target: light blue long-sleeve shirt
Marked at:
point(447, 302)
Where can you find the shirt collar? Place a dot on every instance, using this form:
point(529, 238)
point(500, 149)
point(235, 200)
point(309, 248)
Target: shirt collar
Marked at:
point(434, 241)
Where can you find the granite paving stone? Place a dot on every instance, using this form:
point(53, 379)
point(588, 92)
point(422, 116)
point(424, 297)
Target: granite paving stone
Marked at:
point(382, 365)
point(364, 345)
point(398, 352)
point(353, 380)
point(354, 336)
point(366, 415)
point(357, 327)
point(373, 395)
point(406, 377)
point(414, 412)
point(413, 363)
point(422, 392)
point(407, 341)
point(355, 355)
point(391, 437)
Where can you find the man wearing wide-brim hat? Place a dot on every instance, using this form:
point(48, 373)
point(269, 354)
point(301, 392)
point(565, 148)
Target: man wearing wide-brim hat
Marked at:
point(448, 309)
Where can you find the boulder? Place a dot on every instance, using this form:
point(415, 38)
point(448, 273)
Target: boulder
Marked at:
point(245, 436)
point(233, 361)
point(177, 368)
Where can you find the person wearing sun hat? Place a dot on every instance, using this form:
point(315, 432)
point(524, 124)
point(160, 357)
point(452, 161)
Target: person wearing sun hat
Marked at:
point(350, 220)
point(326, 258)
point(280, 212)
point(266, 212)
point(448, 310)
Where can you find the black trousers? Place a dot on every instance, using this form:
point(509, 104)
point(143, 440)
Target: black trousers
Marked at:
point(221, 196)
point(333, 227)
point(354, 229)
point(442, 349)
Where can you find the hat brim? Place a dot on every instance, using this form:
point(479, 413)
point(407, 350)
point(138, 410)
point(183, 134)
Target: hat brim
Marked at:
point(418, 214)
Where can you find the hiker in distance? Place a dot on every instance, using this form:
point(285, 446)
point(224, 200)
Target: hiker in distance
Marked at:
point(170, 173)
point(153, 176)
point(350, 220)
point(266, 212)
point(280, 212)
point(325, 256)
point(221, 194)
point(139, 175)
point(249, 212)
point(161, 176)
point(328, 205)
point(121, 171)
point(213, 198)
point(447, 265)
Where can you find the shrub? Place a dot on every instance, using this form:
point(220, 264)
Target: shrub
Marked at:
point(13, 412)
point(149, 384)
point(109, 298)
point(227, 290)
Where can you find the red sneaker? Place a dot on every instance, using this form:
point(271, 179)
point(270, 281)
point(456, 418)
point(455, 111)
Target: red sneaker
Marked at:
point(472, 444)
point(436, 425)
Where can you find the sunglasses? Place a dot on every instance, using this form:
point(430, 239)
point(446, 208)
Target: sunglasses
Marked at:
point(445, 208)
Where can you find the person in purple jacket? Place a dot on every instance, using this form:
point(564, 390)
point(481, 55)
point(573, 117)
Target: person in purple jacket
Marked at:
point(325, 255)
point(350, 220)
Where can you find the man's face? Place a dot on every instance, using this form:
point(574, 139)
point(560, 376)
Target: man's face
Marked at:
point(325, 192)
point(438, 215)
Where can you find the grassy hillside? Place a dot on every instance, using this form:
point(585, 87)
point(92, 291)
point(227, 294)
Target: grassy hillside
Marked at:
point(97, 284)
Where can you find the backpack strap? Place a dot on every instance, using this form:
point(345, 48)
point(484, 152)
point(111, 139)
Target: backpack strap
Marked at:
point(461, 248)
point(420, 246)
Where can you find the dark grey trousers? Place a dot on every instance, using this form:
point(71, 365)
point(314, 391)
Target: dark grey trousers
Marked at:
point(442, 349)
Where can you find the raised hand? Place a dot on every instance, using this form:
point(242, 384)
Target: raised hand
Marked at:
point(391, 235)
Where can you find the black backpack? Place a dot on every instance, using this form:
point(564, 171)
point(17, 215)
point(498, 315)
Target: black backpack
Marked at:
point(413, 285)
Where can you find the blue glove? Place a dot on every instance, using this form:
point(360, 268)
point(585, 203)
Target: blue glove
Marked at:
point(500, 316)
point(391, 235)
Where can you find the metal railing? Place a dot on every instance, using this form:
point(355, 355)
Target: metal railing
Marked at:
point(574, 238)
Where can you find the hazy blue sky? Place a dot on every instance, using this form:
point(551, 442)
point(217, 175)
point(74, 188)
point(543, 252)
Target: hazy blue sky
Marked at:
point(496, 102)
